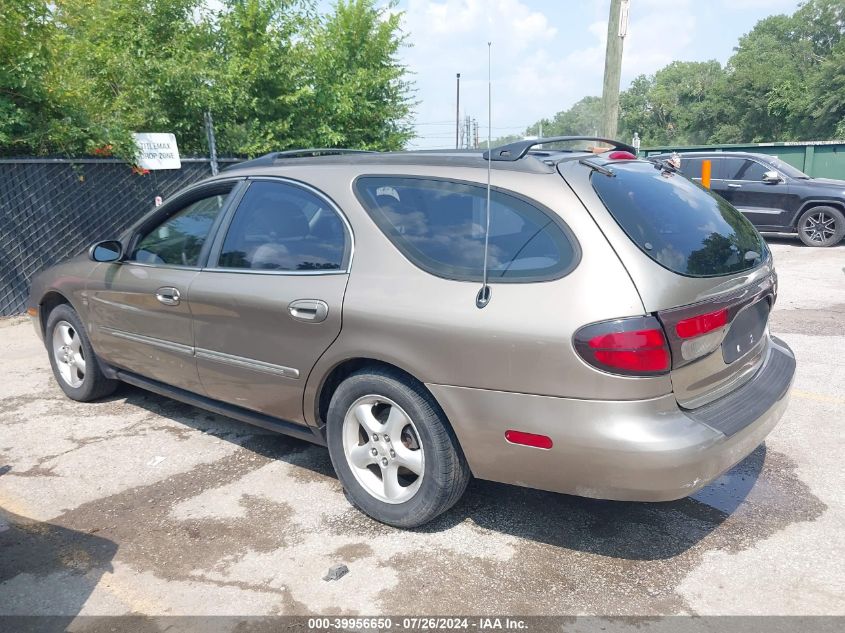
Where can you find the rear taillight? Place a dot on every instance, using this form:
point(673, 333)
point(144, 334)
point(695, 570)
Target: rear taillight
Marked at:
point(701, 324)
point(634, 346)
point(702, 333)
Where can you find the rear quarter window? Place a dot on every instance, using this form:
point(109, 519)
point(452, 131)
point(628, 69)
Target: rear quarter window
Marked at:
point(439, 226)
point(677, 223)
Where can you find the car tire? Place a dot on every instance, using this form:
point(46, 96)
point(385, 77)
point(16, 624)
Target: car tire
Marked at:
point(821, 226)
point(382, 427)
point(75, 365)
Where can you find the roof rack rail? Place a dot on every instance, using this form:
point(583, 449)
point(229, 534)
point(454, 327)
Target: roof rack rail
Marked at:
point(311, 152)
point(514, 151)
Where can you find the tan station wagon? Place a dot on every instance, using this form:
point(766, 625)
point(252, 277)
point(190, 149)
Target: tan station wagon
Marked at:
point(596, 327)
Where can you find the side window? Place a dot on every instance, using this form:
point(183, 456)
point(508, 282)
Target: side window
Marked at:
point(439, 226)
point(691, 167)
point(178, 240)
point(754, 171)
point(743, 169)
point(282, 227)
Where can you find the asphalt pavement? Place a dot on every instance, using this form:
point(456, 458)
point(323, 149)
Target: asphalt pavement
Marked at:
point(141, 505)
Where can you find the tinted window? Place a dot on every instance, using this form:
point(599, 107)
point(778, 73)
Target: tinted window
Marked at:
point(282, 227)
point(691, 167)
point(439, 225)
point(677, 223)
point(743, 169)
point(179, 239)
point(786, 168)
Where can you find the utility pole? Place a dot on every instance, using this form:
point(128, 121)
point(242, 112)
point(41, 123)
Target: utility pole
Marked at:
point(458, 111)
point(475, 132)
point(617, 27)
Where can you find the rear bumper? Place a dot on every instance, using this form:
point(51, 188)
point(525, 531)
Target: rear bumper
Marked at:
point(643, 450)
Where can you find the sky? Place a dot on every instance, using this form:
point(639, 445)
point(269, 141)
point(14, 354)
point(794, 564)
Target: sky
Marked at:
point(548, 54)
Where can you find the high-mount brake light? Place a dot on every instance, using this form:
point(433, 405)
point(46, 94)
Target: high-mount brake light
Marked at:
point(701, 324)
point(621, 155)
point(634, 346)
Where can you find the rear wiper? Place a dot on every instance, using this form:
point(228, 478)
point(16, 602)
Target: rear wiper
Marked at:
point(596, 167)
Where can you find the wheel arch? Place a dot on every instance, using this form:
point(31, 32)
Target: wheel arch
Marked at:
point(812, 204)
point(49, 302)
point(344, 368)
point(341, 370)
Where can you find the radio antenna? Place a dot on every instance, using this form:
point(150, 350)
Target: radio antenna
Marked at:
point(484, 295)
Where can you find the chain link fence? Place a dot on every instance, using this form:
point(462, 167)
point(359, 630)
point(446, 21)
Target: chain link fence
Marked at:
point(52, 209)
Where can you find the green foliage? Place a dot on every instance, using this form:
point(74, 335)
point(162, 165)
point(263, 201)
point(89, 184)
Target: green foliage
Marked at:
point(77, 76)
point(358, 92)
point(260, 83)
point(785, 82)
point(583, 118)
point(26, 107)
point(674, 106)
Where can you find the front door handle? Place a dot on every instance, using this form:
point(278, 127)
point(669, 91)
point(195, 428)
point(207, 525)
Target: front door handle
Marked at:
point(168, 296)
point(309, 310)
point(733, 185)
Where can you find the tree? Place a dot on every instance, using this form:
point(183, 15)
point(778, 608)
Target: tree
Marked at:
point(677, 105)
point(583, 118)
point(785, 81)
point(128, 68)
point(82, 75)
point(358, 94)
point(26, 105)
point(260, 81)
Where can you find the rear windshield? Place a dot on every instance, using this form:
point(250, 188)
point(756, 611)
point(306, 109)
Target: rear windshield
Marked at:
point(677, 223)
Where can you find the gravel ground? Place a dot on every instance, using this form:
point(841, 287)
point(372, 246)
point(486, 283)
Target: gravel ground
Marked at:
point(141, 505)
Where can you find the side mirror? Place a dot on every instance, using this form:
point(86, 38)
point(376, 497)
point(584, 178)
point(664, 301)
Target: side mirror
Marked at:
point(771, 177)
point(107, 251)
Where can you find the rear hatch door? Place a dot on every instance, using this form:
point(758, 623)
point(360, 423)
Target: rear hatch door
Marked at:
point(698, 264)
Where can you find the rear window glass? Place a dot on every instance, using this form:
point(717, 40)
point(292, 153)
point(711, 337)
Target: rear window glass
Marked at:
point(439, 226)
point(691, 167)
point(677, 223)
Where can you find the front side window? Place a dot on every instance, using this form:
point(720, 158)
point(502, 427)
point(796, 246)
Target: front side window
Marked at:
point(677, 223)
point(282, 227)
point(786, 168)
point(178, 241)
point(439, 225)
point(743, 169)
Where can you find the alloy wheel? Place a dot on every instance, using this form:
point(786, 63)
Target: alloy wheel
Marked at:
point(819, 227)
point(69, 354)
point(383, 449)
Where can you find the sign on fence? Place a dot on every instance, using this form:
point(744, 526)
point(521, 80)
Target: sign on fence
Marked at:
point(157, 150)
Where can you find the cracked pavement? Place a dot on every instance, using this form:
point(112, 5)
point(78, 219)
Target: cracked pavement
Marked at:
point(141, 505)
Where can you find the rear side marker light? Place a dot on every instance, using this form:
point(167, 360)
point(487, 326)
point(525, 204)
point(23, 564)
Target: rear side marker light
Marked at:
point(701, 324)
point(528, 439)
point(635, 346)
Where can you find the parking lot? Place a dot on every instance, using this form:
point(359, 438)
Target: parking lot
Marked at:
point(139, 504)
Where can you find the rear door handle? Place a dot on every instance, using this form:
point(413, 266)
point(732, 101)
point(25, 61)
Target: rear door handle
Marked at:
point(309, 310)
point(733, 185)
point(168, 296)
